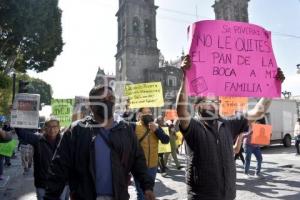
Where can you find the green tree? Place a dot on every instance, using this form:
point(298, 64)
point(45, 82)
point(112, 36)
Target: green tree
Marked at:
point(38, 86)
point(30, 34)
point(5, 93)
point(35, 86)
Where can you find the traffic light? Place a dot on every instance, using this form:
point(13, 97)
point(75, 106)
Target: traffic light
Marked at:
point(23, 86)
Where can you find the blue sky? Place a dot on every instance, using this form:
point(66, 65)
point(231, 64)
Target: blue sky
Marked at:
point(90, 36)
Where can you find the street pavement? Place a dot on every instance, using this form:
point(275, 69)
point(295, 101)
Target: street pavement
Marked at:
point(281, 169)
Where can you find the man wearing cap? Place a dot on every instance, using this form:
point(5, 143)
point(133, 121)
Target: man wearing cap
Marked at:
point(97, 154)
point(44, 146)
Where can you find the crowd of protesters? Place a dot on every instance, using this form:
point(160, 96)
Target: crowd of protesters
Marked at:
point(97, 155)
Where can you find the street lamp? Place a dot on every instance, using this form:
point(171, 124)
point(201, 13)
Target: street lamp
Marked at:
point(12, 72)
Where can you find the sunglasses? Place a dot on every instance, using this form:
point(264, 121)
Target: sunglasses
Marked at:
point(210, 101)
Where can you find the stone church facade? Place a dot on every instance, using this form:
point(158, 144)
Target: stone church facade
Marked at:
point(231, 10)
point(138, 59)
point(137, 43)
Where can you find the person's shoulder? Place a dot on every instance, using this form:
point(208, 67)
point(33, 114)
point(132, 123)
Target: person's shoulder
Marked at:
point(194, 122)
point(82, 123)
point(127, 128)
point(38, 134)
point(123, 125)
point(79, 127)
point(239, 117)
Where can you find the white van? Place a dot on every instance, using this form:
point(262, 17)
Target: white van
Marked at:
point(282, 115)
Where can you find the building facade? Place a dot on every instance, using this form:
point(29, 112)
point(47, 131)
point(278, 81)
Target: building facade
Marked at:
point(104, 79)
point(170, 75)
point(231, 10)
point(138, 59)
point(137, 43)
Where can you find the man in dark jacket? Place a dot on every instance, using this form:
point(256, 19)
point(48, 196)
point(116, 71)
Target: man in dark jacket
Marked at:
point(96, 155)
point(44, 146)
point(211, 172)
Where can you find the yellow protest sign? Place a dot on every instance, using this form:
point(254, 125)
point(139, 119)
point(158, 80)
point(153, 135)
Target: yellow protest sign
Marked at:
point(164, 148)
point(230, 105)
point(145, 95)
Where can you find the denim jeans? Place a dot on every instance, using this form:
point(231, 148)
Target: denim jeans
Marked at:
point(140, 193)
point(249, 149)
point(1, 164)
point(40, 193)
point(105, 198)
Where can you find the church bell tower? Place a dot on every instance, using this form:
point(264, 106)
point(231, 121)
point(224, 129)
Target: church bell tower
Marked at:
point(137, 43)
point(232, 10)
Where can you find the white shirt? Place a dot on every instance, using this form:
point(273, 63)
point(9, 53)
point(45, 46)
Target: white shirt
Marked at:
point(297, 129)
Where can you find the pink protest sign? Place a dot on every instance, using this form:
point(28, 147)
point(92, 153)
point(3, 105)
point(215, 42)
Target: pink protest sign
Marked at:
point(231, 59)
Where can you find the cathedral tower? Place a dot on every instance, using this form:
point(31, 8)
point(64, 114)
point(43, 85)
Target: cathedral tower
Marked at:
point(232, 10)
point(137, 43)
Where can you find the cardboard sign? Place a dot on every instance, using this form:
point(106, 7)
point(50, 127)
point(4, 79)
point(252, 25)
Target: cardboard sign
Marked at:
point(25, 111)
point(261, 134)
point(145, 95)
point(171, 114)
point(230, 105)
point(63, 110)
point(231, 59)
point(164, 148)
point(6, 149)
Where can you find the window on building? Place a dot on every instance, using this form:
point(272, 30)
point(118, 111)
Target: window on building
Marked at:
point(172, 82)
point(147, 27)
point(136, 25)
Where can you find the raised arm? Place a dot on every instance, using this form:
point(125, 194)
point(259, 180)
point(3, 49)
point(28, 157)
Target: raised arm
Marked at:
point(263, 105)
point(238, 144)
point(182, 97)
point(27, 135)
point(259, 110)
